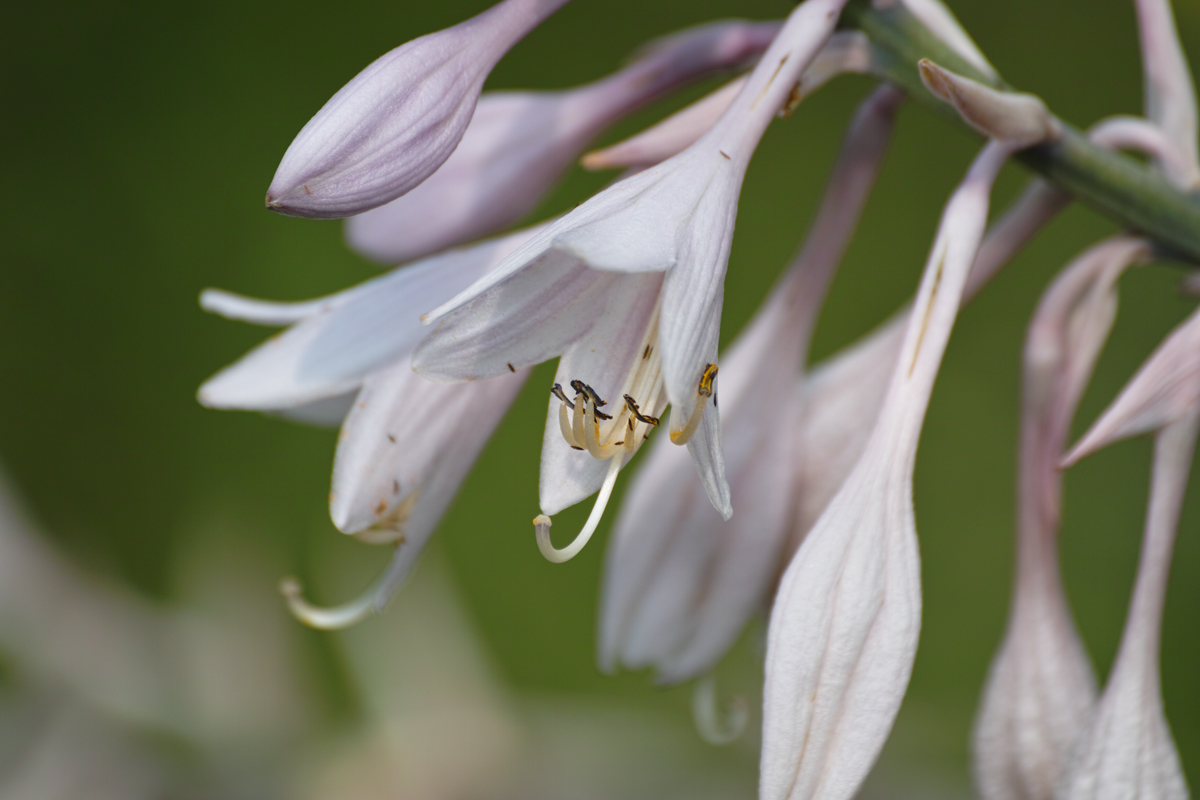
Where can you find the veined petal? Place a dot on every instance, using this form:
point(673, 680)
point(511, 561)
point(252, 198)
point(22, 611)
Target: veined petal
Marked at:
point(328, 412)
point(351, 334)
point(406, 446)
point(844, 629)
point(1041, 687)
point(532, 316)
point(399, 119)
point(519, 144)
point(1165, 390)
point(1127, 750)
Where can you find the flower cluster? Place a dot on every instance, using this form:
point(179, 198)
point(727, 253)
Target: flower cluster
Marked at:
point(626, 290)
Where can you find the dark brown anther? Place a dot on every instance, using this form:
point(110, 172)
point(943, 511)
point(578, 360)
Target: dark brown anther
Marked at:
point(582, 388)
point(558, 392)
point(637, 412)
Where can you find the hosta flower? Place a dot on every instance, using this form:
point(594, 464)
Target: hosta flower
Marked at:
point(680, 580)
point(520, 143)
point(403, 451)
point(1041, 686)
point(843, 632)
point(846, 51)
point(676, 219)
point(1127, 750)
point(399, 119)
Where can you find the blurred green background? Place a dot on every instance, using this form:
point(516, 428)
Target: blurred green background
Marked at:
point(140, 140)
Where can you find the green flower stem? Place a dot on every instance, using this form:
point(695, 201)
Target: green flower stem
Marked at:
point(1114, 184)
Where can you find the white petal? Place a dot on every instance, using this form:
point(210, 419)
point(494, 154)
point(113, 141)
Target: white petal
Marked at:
point(408, 437)
point(329, 412)
point(351, 334)
point(844, 629)
point(1165, 389)
point(1041, 688)
point(1127, 751)
point(532, 316)
point(259, 312)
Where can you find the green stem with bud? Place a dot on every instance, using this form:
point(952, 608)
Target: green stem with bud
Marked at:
point(1114, 184)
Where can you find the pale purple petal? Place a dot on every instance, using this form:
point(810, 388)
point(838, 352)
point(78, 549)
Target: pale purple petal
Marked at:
point(1170, 93)
point(519, 144)
point(399, 119)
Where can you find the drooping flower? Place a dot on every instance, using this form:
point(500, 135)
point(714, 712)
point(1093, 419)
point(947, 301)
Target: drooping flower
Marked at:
point(1041, 687)
point(680, 581)
point(520, 143)
point(399, 119)
point(844, 629)
point(1127, 750)
point(846, 51)
point(403, 451)
point(677, 219)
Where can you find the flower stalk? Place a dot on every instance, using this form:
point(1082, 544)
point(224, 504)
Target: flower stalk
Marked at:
point(1113, 184)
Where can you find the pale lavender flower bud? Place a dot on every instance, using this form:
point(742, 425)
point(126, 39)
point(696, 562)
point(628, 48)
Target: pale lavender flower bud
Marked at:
point(394, 124)
point(681, 581)
point(846, 51)
point(1017, 119)
point(844, 629)
point(1041, 687)
point(520, 143)
point(1127, 751)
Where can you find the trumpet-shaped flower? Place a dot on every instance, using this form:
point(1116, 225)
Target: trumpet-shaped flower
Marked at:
point(846, 51)
point(843, 633)
point(520, 143)
point(399, 119)
point(1127, 750)
point(1041, 687)
point(681, 581)
point(677, 219)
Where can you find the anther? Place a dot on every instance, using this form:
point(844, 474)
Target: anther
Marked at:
point(583, 388)
point(558, 392)
point(637, 413)
point(706, 380)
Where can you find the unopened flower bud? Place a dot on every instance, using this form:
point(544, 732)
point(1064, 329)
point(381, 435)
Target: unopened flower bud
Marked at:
point(1020, 120)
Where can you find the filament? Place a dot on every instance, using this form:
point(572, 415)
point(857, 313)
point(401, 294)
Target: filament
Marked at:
point(718, 725)
point(542, 522)
point(372, 601)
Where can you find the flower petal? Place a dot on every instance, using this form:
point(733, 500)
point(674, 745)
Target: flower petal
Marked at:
point(351, 334)
point(258, 312)
point(399, 119)
point(407, 445)
point(1170, 94)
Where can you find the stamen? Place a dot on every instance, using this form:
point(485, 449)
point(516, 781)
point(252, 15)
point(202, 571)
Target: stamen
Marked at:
point(714, 724)
point(558, 392)
point(582, 388)
point(372, 601)
point(542, 523)
point(637, 413)
point(706, 380)
point(704, 390)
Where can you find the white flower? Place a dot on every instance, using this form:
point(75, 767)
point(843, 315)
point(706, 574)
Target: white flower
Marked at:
point(390, 127)
point(404, 448)
point(1041, 686)
point(676, 218)
point(1127, 751)
point(680, 580)
point(520, 143)
point(844, 629)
